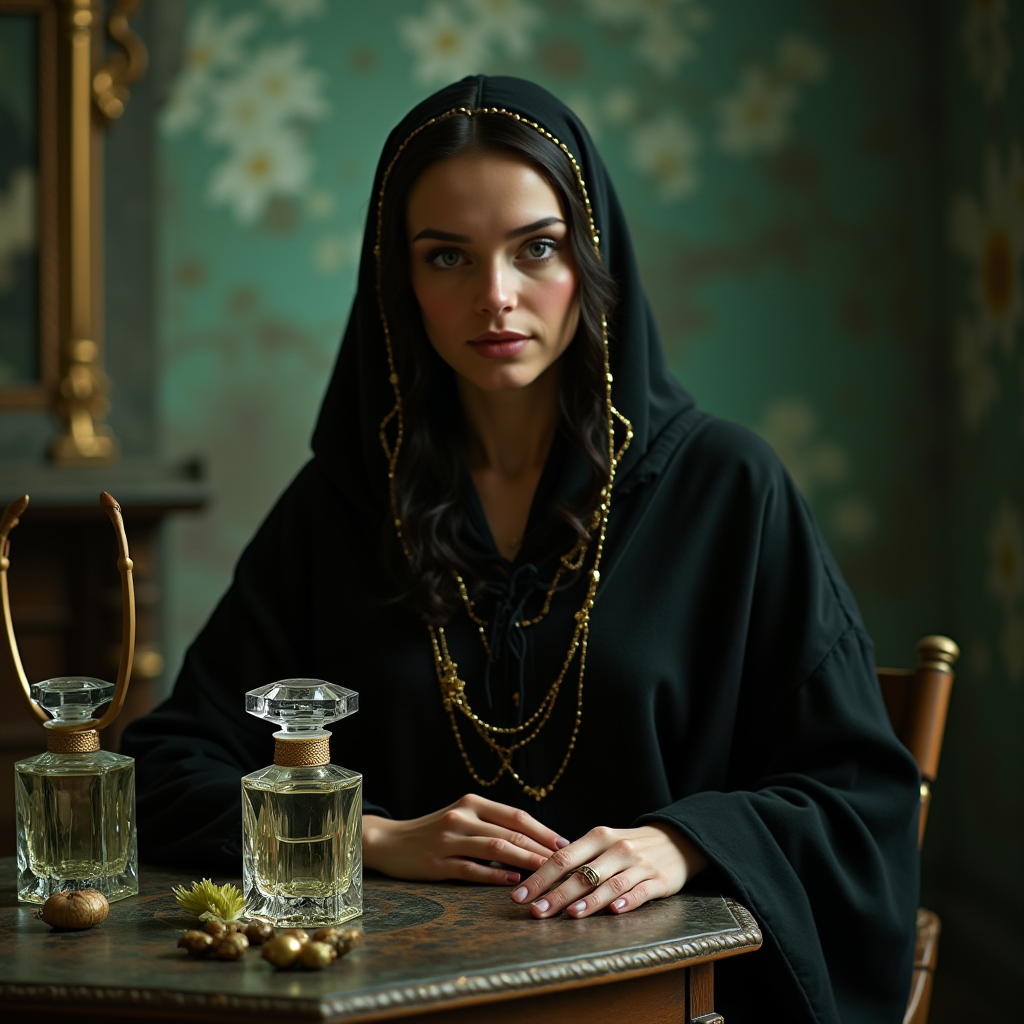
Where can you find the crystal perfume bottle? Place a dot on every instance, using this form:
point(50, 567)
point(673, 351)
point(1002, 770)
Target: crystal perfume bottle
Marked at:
point(75, 804)
point(302, 817)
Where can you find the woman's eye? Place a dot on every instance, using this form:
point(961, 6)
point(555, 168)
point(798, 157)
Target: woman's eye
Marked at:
point(540, 249)
point(446, 259)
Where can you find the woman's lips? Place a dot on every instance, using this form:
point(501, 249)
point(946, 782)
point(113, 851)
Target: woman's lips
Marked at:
point(499, 344)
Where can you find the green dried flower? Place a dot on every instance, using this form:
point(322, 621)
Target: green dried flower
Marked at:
point(211, 902)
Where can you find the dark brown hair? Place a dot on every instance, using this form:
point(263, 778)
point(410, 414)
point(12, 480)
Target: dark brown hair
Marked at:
point(430, 472)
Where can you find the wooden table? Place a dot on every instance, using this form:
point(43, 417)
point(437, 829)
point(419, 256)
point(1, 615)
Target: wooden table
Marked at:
point(439, 953)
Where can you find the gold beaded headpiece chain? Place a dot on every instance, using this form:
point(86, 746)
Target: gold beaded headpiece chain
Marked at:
point(453, 688)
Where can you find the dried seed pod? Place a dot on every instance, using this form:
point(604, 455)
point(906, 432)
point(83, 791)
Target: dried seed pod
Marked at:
point(218, 929)
point(231, 947)
point(196, 942)
point(258, 931)
point(77, 908)
point(296, 933)
point(349, 939)
point(315, 956)
point(282, 951)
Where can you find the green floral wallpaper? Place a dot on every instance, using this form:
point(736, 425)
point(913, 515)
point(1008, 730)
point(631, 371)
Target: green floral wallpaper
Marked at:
point(827, 199)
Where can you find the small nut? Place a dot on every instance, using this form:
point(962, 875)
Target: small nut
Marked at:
point(297, 933)
point(258, 931)
point(218, 929)
point(315, 956)
point(328, 935)
point(349, 939)
point(196, 942)
point(282, 951)
point(231, 947)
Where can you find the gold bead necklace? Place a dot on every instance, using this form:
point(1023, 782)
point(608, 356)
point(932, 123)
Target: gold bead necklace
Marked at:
point(453, 687)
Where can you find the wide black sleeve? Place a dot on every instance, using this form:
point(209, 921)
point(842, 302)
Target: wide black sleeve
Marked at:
point(193, 750)
point(814, 828)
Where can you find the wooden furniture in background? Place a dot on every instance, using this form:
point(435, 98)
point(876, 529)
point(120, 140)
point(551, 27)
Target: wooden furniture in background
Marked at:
point(917, 702)
point(437, 953)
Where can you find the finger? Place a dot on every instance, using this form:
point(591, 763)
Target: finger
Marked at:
point(520, 839)
point(564, 862)
point(575, 889)
point(650, 889)
point(470, 871)
point(495, 849)
point(515, 819)
point(614, 892)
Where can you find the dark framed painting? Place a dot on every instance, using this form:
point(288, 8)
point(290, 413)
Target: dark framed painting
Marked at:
point(30, 204)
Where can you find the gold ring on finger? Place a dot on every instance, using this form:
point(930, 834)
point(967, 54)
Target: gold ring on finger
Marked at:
point(589, 874)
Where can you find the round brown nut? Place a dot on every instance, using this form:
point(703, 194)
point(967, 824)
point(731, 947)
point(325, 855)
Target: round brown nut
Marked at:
point(296, 933)
point(282, 951)
point(74, 909)
point(349, 939)
point(328, 935)
point(315, 956)
point(196, 942)
point(218, 929)
point(258, 931)
point(231, 947)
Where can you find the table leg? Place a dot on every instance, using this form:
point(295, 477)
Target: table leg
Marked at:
point(700, 995)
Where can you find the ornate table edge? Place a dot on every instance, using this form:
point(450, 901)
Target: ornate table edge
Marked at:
point(389, 1001)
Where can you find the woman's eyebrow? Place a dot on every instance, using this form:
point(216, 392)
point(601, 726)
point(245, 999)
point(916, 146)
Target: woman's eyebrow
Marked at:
point(448, 236)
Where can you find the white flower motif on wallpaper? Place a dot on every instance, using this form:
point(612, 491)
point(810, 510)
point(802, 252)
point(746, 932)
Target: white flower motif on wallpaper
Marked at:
point(757, 117)
point(254, 102)
point(211, 45)
point(273, 89)
point(666, 28)
point(1006, 583)
point(979, 383)
point(988, 48)
point(451, 40)
point(666, 148)
point(991, 235)
point(507, 24)
point(791, 427)
point(294, 11)
point(258, 168)
point(337, 252)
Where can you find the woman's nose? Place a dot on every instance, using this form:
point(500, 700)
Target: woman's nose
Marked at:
point(496, 294)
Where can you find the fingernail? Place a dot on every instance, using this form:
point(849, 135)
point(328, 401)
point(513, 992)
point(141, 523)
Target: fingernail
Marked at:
point(512, 877)
point(520, 894)
point(578, 908)
point(619, 904)
point(543, 906)
point(561, 843)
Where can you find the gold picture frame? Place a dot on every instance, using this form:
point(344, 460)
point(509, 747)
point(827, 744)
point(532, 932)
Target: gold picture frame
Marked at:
point(79, 90)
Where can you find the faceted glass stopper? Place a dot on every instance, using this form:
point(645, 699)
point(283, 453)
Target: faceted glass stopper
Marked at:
point(302, 705)
point(72, 698)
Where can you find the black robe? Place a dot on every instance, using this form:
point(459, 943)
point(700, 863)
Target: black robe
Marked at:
point(729, 688)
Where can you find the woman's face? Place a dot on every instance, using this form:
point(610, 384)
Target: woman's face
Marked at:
point(492, 268)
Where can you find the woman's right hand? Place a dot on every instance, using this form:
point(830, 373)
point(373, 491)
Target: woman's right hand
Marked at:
point(450, 842)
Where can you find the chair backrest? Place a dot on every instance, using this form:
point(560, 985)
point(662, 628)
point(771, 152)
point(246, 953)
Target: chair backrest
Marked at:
point(917, 703)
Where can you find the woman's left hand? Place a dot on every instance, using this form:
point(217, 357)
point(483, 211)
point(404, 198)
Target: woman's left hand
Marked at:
point(633, 865)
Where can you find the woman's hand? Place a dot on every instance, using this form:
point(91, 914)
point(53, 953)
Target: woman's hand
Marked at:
point(450, 842)
point(633, 865)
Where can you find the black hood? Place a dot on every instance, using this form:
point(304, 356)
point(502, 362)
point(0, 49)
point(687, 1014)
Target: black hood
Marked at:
point(346, 441)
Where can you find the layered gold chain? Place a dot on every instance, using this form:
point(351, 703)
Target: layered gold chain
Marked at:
point(453, 687)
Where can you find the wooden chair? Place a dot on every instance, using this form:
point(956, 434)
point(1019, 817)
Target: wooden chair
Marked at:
point(917, 703)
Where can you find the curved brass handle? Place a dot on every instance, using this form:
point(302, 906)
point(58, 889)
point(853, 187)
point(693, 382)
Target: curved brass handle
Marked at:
point(124, 565)
point(8, 521)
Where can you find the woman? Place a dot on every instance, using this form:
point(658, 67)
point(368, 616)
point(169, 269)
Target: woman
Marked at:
point(599, 628)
